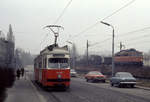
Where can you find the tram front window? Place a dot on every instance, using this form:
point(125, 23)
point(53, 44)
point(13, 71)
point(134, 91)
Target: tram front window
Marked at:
point(58, 63)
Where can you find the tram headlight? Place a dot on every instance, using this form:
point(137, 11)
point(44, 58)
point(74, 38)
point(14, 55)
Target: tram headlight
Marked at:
point(59, 76)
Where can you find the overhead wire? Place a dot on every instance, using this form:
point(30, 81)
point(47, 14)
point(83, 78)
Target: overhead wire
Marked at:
point(102, 20)
point(142, 42)
point(96, 22)
point(117, 12)
point(133, 32)
point(112, 15)
point(59, 17)
point(86, 29)
point(137, 38)
point(119, 9)
point(62, 13)
point(139, 44)
point(97, 43)
point(2, 29)
point(137, 31)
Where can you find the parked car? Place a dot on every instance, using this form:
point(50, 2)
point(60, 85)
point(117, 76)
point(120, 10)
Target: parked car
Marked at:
point(123, 79)
point(95, 76)
point(73, 73)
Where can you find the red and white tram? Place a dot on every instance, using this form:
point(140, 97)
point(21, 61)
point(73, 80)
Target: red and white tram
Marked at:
point(51, 67)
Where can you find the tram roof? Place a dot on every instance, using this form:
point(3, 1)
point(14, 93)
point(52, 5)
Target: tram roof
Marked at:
point(52, 49)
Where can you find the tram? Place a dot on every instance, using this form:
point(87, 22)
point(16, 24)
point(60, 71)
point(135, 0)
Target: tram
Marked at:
point(51, 67)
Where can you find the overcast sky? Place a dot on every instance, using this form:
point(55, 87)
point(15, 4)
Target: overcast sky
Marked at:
point(28, 17)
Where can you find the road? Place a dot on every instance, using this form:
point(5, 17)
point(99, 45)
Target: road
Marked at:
point(82, 91)
point(26, 90)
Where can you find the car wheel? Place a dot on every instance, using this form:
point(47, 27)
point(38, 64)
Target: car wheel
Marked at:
point(120, 85)
point(87, 80)
point(104, 81)
point(112, 84)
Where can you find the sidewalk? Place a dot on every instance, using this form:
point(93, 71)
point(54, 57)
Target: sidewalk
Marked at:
point(22, 91)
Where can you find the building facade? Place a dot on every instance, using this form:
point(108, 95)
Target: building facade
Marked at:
point(7, 47)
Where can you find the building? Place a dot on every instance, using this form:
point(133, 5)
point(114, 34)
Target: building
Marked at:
point(7, 46)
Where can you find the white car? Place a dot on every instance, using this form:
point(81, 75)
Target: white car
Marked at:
point(73, 73)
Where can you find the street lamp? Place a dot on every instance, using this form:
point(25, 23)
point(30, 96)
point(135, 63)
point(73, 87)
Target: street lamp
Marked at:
point(69, 42)
point(113, 65)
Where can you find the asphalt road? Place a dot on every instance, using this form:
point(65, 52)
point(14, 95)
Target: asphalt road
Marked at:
point(26, 90)
point(82, 91)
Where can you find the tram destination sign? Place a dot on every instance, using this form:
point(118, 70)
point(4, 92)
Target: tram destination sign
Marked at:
point(58, 55)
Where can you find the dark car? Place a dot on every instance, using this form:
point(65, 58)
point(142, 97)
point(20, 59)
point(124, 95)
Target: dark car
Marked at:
point(123, 79)
point(95, 76)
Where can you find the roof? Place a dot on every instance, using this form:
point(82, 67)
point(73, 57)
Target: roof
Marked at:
point(123, 73)
point(55, 49)
point(59, 51)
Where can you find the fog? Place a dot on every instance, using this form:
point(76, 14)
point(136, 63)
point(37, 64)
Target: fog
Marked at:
point(28, 17)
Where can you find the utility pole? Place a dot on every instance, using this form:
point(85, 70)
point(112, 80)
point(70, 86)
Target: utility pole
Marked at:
point(87, 45)
point(113, 64)
point(74, 55)
point(121, 46)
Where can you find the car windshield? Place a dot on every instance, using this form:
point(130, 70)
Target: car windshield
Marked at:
point(125, 75)
point(95, 73)
point(58, 63)
point(72, 70)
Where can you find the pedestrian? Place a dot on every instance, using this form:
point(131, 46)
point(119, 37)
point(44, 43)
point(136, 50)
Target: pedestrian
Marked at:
point(22, 72)
point(18, 73)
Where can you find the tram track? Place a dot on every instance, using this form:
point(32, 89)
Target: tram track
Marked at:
point(51, 96)
point(67, 97)
point(90, 92)
point(54, 95)
point(59, 95)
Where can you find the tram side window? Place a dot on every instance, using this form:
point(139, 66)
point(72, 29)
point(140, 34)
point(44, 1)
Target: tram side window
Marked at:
point(35, 65)
point(40, 64)
point(58, 63)
point(45, 63)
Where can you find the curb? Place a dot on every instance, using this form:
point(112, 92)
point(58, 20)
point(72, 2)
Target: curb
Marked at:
point(141, 87)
